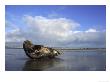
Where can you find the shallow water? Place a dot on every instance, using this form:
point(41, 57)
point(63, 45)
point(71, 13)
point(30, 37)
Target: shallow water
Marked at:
point(70, 60)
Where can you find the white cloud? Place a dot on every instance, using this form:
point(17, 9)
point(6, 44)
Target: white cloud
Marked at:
point(13, 33)
point(58, 29)
point(91, 30)
point(56, 32)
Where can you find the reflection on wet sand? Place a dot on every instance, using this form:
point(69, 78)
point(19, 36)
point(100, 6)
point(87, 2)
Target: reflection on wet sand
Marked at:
point(40, 64)
point(69, 61)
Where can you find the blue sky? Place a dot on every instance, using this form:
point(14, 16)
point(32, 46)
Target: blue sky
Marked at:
point(78, 19)
point(87, 16)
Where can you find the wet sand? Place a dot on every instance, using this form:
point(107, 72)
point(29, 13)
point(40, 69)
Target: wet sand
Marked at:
point(70, 60)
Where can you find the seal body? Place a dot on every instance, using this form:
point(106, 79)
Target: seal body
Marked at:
point(38, 51)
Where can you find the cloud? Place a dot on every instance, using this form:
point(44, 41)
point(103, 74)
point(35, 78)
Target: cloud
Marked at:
point(58, 29)
point(13, 33)
point(56, 32)
point(91, 30)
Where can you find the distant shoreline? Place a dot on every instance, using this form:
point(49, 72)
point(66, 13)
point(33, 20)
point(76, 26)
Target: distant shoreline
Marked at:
point(68, 48)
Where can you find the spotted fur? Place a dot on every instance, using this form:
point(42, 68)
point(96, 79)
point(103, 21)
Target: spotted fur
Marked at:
point(38, 51)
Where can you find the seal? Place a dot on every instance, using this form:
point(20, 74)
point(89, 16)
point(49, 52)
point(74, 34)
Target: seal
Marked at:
point(38, 51)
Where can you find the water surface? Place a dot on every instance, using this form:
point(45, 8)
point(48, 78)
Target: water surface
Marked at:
point(70, 60)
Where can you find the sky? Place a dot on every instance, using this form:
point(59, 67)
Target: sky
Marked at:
point(57, 25)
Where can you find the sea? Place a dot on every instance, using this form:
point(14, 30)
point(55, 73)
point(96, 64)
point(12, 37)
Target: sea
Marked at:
point(69, 60)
